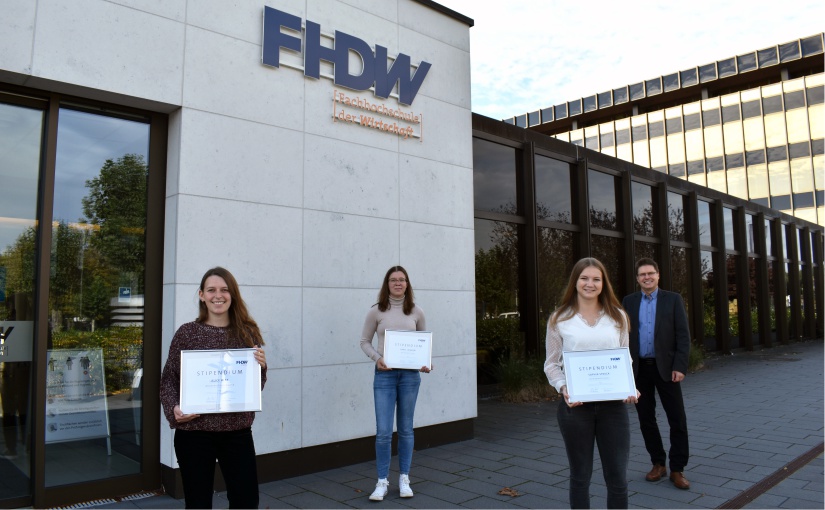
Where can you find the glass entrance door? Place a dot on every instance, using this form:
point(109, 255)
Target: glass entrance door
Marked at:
point(21, 131)
point(96, 299)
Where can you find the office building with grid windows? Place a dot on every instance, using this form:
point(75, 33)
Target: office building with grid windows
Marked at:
point(750, 125)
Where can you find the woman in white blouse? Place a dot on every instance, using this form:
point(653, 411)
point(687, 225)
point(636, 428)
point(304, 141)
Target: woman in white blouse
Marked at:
point(590, 317)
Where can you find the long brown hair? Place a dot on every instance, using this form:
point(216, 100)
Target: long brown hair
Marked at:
point(570, 303)
point(384, 293)
point(240, 322)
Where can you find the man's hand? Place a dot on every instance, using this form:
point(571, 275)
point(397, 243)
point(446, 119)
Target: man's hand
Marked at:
point(677, 376)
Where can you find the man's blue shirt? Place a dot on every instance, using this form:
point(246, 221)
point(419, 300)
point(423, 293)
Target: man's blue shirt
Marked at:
point(647, 324)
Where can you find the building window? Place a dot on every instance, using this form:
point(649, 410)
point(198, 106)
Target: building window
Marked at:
point(644, 219)
point(727, 67)
point(671, 82)
point(730, 113)
point(756, 157)
point(751, 109)
point(746, 62)
point(610, 251)
point(777, 154)
point(637, 91)
point(556, 256)
point(795, 99)
point(553, 190)
point(798, 150)
point(494, 177)
point(589, 103)
point(767, 57)
point(789, 51)
point(734, 160)
point(707, 72)
point(709, 117)
point(654, 86)
point(811, 45)
point(602, 194)
point(689, 78)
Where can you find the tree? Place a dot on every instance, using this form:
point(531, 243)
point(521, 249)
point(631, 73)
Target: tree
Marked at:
point(116, 206)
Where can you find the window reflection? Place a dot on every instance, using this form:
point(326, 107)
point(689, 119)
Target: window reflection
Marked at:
point(749, 233)
point(20, 143)
point(494, 177)
point(727, 221)
point(96, 298)
point(498, 324)
point(602, 194)
point(553, 190)
point(704, 223)
point(643, 214)
point(646, 250)
point(733, 301)
point(610, 252)
point(556, 256)
point(680, 275)
point(676, 216)
point(708, 299)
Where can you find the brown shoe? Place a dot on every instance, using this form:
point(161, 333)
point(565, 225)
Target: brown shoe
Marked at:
point(679, 480)
point(656, 473)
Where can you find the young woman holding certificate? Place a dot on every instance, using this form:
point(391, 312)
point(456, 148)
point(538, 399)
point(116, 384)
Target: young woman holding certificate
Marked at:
point(590, 318)
point(393, 389)
point(223, 323)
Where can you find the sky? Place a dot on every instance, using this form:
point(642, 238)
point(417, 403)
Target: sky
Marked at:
point(530, 54)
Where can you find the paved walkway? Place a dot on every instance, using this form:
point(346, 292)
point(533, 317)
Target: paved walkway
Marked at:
point(749, 415)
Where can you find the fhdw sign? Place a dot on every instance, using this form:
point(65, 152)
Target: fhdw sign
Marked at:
point(376, 72)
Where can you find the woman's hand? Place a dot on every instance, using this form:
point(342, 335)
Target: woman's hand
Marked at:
point(260, 357)
point(380, 365)
point(426, 369)
point(567, 398)
point(183, 418)
point(632, 399)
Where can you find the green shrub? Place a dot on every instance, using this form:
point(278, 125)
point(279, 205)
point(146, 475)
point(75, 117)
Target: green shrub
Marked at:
point(523, 380)
point(122, 351)
point(696, 358)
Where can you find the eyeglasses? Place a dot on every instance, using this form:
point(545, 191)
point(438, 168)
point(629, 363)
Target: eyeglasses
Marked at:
point(398, 280)
point(646, 275)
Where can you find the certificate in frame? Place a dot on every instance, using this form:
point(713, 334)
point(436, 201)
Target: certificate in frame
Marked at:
point(604, 374)
point(219, 381)
point(408, 349)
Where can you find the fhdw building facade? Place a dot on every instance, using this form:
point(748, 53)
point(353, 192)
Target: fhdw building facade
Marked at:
point(306, 146)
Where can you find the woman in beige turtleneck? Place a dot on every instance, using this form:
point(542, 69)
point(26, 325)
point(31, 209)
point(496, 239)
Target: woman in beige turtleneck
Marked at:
point(393, 389)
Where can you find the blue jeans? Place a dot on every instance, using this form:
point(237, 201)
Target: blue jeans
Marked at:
point(606, 424)
point(394, 390)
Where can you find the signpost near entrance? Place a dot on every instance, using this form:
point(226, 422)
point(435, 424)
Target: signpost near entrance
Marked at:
point(76, 406)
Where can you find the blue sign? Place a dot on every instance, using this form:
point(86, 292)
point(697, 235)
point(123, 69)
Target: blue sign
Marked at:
point(124, 294)
point(374, 74)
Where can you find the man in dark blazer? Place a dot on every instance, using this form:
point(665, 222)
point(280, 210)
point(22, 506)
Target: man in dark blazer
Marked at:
point(659, 346)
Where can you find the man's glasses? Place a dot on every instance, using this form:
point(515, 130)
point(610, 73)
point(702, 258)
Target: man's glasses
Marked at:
point(646, 275)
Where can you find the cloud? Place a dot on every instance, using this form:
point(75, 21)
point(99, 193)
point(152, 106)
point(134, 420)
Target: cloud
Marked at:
point(536, 53)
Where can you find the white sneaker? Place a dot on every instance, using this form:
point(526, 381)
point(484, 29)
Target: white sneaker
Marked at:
point(381, 489)
point(404, 486)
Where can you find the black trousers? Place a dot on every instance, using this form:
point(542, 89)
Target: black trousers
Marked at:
point(606, 424)
point(235, 452)
point(648, 382)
